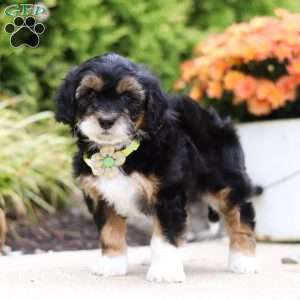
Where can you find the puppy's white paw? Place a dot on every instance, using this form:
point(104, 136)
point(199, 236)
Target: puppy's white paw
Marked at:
point(166, 263)
point(110, 266)
point(160, 272)
point(243, 264)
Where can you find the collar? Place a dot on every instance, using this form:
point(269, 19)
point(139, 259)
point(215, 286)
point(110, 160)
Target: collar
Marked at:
point(108, 160)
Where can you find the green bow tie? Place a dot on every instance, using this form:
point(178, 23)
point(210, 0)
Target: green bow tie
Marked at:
point(107, 161)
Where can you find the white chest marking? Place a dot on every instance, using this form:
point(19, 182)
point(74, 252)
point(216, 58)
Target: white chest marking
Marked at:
point(122, 192)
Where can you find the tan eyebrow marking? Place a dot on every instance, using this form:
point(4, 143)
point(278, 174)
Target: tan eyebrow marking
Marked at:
point(90, 81)
point(130, 84)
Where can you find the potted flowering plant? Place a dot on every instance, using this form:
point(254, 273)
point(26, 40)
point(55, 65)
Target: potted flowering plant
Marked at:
point(252, 73)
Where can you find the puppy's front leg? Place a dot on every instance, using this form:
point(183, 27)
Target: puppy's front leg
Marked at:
point(166, 261)
point(112, 229)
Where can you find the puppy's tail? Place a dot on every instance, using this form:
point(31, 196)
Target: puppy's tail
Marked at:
point(257, 190)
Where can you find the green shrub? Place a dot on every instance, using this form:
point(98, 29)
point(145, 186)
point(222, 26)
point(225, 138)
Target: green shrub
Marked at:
point(35, 161)
point(151, 32)
point(215, 15)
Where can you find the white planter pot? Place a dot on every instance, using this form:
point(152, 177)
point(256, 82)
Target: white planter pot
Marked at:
point(272, 150)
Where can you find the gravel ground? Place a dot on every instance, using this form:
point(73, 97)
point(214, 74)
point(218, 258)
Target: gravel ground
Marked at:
point(73, 229)
point(69, 229)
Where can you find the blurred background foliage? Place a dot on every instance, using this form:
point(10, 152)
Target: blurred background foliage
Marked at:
point(157, 33)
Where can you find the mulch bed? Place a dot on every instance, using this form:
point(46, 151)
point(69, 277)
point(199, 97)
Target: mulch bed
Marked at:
point(65, 230)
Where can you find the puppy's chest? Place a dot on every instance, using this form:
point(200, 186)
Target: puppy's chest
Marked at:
point(130, 195)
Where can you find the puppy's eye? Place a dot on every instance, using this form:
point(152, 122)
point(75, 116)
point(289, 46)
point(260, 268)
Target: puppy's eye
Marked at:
point(85, 102)
point(128, 98)
point(125, 97)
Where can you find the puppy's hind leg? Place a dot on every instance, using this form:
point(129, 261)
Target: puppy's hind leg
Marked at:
point(240, 222)
point(240, 225)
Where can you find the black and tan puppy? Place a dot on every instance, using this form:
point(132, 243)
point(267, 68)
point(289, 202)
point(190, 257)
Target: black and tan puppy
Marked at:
point(143, 152)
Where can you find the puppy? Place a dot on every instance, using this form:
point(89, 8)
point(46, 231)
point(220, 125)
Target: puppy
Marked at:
point(143, 152)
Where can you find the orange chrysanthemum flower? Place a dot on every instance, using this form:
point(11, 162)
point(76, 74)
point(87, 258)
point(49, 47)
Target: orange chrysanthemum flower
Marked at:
point(188, 70)
point(245, 88)
point(250, 61)
point(218, 69)
point(264, 88)
point(294, 67)
point(231, 79)
point(259, 107)
point(276, 98)
point(287, 85)
point(214, 89)
point(196, 92)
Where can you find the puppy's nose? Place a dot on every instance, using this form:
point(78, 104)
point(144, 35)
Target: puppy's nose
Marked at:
point(106, 123)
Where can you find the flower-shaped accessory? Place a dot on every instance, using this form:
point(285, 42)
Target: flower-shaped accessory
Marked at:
point(108, 160)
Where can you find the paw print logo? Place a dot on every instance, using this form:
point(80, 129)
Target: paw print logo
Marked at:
point(24, 32)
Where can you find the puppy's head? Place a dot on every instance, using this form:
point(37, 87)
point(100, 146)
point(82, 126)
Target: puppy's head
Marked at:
point(110, 100)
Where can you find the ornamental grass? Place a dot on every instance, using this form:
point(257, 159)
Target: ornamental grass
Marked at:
point(35, 160)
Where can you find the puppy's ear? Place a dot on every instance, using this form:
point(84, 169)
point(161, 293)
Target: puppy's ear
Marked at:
point(156, 105)
point(65, 99)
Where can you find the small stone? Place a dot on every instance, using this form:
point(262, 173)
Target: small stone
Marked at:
point(5, 250)
point(290, 260)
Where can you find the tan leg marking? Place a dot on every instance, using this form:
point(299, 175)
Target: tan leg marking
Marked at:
point(87, 184)
point(242, 237)
point(113, 234)
point(148, 186)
